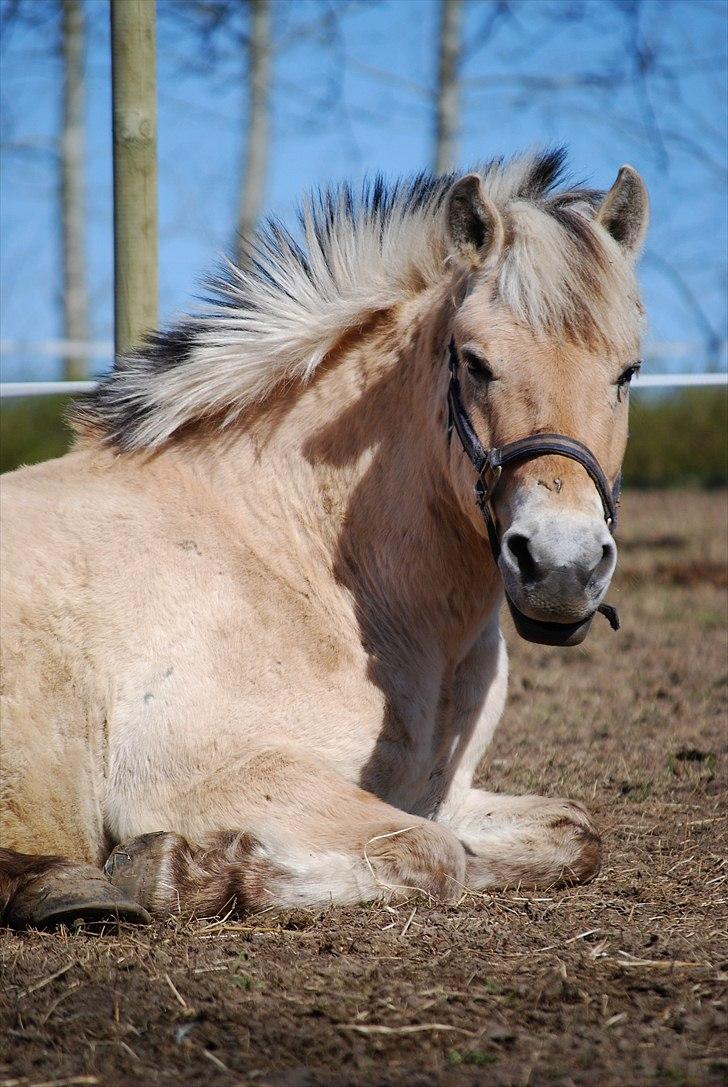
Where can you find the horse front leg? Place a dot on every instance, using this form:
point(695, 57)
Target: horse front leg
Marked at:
point(535, 841)
point(303, 836)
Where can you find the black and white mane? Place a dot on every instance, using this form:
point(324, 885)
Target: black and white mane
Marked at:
point(354, 255)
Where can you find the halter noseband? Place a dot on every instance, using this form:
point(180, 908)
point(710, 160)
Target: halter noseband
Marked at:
point(489, 463)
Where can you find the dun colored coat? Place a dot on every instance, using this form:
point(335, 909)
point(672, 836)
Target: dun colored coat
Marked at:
point(251, 634)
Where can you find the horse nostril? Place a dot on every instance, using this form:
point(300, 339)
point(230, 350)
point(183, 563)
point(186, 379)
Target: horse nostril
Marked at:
point(607, 557)
point(518, 545)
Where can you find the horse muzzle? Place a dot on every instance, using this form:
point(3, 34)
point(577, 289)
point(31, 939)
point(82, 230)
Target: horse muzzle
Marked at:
point(555, 574)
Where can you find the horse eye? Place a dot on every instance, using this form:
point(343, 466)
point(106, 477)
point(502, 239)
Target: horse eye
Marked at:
point(626, 376)
point(478, 367)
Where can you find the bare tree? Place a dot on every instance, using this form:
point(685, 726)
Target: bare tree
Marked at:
point(447, 104)
point(256, 140)
point(208, 37)
point(71, 176)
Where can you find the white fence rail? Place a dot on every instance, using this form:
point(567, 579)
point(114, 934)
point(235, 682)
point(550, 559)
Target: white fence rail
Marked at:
point(10, 390)
point(103, 350)
point(674, 381)
point(34, 349)
point(15, 389)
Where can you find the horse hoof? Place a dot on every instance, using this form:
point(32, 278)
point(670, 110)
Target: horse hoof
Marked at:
point(134, 867)
point(75, 895)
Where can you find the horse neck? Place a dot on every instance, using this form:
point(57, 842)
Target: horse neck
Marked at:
point(356, 465)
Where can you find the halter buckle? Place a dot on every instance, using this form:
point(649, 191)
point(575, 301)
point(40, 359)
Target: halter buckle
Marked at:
point(489, 477)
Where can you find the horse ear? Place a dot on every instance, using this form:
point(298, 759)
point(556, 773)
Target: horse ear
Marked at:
point(473, 221)
point(625, 210)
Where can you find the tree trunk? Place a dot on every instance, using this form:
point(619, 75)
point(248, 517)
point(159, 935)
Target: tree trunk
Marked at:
point(446, 106)
point(256, 141)
point(75, 302)
point(134, 90)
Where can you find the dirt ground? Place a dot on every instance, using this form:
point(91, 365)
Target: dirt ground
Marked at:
point(621, 982)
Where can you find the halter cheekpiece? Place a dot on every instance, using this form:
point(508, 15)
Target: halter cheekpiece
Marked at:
point(489, 463)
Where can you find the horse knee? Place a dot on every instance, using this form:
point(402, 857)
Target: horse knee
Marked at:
point(423, 857)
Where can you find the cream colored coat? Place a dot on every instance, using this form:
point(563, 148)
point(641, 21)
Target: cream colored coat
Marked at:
point(288, 629)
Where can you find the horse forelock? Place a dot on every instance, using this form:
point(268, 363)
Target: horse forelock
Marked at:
point(353, 255)
point(563, 276)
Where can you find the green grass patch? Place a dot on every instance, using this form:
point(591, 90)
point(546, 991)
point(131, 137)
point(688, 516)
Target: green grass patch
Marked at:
point(678, 439)
point(33, 429)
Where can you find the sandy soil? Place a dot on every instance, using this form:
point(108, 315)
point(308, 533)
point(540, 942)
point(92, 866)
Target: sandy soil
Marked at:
point(621, 982)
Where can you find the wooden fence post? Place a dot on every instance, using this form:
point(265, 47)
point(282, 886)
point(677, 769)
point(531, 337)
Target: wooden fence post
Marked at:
point(257, 123)
point(72, 187)
point(446, 104)
point(134, 93)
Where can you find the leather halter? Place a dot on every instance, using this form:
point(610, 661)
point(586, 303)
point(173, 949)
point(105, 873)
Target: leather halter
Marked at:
point(489, 463)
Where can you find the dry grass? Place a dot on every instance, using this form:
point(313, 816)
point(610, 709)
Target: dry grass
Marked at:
point(621, 982)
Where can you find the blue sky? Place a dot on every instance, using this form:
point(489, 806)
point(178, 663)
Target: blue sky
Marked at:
point(614, 81)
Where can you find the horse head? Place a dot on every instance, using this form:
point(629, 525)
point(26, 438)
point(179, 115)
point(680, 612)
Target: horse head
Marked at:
point(545, 341)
